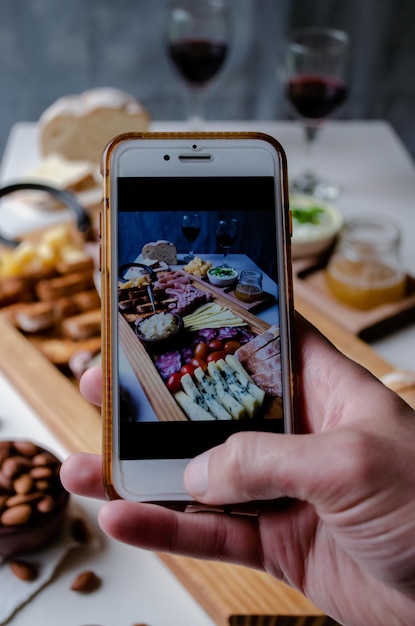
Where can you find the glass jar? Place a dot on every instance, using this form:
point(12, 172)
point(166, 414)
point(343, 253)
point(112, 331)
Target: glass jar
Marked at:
point(364, 271)
point(249, 286)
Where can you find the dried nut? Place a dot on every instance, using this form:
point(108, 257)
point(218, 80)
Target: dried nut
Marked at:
point(79, 530)
point(19, 514)
point(14, 465)
point(42, 485)
point(23, 484)
point(23, 498)
point(44, 458)
point(26, 448)
point(23, 570)
point(41, 472)
point(6, 484)
point(86, 582)
point(46, 504)
point(3, 500)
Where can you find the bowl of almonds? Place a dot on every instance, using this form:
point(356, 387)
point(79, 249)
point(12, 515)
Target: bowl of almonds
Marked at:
point(33, 502)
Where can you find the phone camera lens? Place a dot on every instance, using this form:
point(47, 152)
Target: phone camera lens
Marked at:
point(194, 146)
point(166, 157)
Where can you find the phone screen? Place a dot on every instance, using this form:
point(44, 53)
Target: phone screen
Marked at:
point(179, 397)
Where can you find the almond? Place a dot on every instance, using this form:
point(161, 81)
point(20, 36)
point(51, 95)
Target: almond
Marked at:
point(13, 466)
point(23, 569)
point(16, 515)
point(86, 582)
point(26, 448)
point(46, 504)
point(41, 472)
point(23, 484)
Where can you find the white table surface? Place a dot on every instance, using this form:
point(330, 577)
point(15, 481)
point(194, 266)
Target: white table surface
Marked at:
point(367, 158)
point(376, 174)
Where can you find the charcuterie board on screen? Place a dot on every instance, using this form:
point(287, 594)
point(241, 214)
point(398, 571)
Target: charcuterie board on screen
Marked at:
point(219, 346)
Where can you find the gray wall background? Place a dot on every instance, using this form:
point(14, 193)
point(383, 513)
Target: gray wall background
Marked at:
point(49, 48)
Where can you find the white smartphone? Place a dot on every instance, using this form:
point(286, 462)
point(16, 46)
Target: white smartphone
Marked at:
point(197, 303)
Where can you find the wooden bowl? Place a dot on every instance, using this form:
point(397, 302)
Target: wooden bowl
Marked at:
point(160, 342)
point(33, 502)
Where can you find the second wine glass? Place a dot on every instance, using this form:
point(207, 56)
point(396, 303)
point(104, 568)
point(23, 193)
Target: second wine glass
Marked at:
point(226, 234)
point(197, 44)
point(314, 75)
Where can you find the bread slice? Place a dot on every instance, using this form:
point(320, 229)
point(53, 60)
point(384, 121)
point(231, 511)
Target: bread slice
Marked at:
point(161, 251)
point(78, 127)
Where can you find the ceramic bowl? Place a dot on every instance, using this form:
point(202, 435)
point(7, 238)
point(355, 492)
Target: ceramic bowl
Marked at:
point(222, 276)
point(33, 502)
point(316, 225)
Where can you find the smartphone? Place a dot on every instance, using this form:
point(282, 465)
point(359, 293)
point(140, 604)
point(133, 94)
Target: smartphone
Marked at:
point(197, 303)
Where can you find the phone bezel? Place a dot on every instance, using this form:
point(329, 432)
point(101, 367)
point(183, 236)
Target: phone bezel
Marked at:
point(121, 150)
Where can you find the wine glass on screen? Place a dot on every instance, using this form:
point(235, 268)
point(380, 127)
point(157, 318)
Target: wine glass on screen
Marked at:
point(191, 230)
point(226, 234)
point(197, 44)
point(314, 76)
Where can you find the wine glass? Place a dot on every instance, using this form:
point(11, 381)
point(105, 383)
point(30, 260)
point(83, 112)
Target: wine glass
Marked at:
point(191, 230)
point(226, 234)
point(197, 44)
point(314, 78)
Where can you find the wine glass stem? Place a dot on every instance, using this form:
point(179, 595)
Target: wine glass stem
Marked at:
point(310, 137)
point(196, 109)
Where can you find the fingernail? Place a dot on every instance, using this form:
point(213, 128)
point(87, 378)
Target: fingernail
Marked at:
point(196, 474)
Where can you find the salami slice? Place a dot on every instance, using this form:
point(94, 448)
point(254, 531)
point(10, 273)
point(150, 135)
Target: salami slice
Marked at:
point(169, 363)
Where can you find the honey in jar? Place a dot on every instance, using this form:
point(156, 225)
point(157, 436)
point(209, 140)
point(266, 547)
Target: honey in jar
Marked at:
point(364, 270)
point(249, 287)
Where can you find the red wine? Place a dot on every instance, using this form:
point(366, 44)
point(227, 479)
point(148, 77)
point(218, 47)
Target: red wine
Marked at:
point(191, 233)
point(225, 241)
point(197, 60)
point(315, 97)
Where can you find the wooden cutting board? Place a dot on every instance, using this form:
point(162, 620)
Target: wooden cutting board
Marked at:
point(310, 282)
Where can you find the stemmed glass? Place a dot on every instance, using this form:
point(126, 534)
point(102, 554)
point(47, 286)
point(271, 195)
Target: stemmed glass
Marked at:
point(314, 76)
point(197, 44)
point(226, 234)
point(191, 230)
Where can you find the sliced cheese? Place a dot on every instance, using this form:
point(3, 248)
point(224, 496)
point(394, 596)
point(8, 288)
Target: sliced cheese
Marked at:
point(193, 392)
point(239, 391)
point(230, 402)
point(209, 392)
point(193, 410)
point(244, 379)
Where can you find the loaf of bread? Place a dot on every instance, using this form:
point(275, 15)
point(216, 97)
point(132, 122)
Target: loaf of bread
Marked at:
point(161, 250)
point(78, 127)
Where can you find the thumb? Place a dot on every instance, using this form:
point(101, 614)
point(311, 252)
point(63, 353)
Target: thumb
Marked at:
point(261, 466)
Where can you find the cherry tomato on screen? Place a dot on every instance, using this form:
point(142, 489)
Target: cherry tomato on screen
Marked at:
point(231, 346)
point(215, 356)
point(201, 350)
point(198, 363)
point(174, 382)
point(187, 369)
point(214, 345)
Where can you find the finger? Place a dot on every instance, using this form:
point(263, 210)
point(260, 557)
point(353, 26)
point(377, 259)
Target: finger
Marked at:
point(81, 474)
point(214, 536)
point(90, 385)
point(259, 466)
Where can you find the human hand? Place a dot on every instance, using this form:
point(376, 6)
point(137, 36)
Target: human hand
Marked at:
point(345, 538)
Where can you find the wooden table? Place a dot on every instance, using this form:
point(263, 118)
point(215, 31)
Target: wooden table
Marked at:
point(228, 594)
